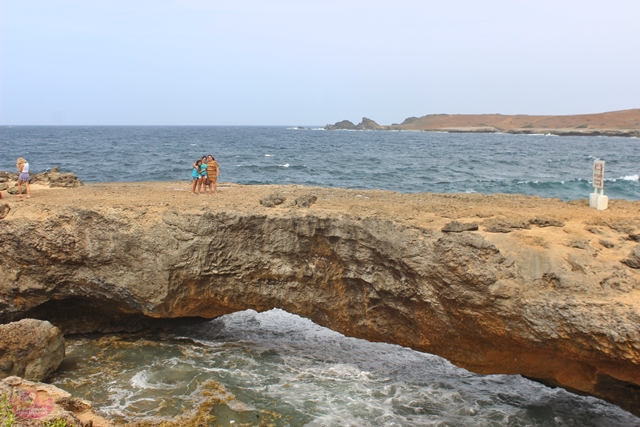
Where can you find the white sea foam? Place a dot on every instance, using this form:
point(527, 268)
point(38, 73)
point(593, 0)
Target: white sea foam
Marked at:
point(286, 165)
point(268, 155)
point(635, 178)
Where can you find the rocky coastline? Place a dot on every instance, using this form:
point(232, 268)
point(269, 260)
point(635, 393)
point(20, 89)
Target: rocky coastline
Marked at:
point(615, 124)
point(496, 284)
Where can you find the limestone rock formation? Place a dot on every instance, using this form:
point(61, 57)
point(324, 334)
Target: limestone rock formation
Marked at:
point(546, 301)
point(34, 404)
point(30, 348)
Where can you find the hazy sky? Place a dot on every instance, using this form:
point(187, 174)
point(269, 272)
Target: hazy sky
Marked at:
point(312, 62)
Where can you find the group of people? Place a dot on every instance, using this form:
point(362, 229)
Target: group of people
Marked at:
point(205, 175)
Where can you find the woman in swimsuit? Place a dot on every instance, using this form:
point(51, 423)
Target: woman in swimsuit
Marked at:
point(195, 176)
point(23, 169)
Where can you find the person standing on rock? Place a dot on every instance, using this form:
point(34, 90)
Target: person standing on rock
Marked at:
point(213, 171)
point(23, 170)
point(195, 177)
point(203, 175)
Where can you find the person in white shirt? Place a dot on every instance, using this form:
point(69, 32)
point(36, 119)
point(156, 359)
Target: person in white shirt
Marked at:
point(23, 169)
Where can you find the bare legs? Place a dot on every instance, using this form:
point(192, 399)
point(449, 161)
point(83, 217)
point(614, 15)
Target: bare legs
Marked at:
point(26, 184)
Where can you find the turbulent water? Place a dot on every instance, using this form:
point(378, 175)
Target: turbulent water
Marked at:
point(547, 166)
point(278, 369)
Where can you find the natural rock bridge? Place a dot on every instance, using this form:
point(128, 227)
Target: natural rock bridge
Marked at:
point(540, 288)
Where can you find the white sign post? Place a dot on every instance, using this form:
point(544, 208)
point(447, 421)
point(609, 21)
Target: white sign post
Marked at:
point(597, 199)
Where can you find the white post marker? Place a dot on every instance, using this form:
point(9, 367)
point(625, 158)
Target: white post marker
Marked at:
point(597, 199)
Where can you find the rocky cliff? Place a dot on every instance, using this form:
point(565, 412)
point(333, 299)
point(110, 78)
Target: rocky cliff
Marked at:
point(615, 123)
point(496, 284)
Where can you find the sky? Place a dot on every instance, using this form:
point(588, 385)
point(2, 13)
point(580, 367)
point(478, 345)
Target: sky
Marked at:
point(311, 62)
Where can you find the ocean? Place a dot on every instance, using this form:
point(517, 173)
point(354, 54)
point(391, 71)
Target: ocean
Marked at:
point(276, 368)
point(541, 165)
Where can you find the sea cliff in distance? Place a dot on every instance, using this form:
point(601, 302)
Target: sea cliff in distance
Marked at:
point(616, 123)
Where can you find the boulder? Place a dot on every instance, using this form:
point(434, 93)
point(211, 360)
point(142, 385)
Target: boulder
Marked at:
point(64, 179)
point(272, 200)
point(15, 190)
point(458, 227)
point(546, 222)
point(4, 186)
point(306, 200)
point(31, 349)
point(634, 258)
point(33, 404)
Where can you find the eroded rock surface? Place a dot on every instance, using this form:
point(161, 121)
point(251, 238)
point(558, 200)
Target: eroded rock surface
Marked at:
point(546, 301)
point(34, 404)
point(31, 349)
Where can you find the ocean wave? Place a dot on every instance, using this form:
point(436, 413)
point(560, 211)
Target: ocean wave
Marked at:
point(634, 178)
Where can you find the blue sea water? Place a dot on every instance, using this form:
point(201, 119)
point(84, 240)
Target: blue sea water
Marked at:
point(547, 166)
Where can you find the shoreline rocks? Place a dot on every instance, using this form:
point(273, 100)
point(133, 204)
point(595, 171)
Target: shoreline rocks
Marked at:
point(34, 404)
point(31, 349)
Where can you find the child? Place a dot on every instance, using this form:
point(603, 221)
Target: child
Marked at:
point(23, 169)
point(195, 176)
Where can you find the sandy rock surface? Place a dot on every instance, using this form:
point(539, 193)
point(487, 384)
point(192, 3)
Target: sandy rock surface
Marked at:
point(524, 285)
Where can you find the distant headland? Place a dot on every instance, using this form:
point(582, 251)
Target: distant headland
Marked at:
point(615, 123)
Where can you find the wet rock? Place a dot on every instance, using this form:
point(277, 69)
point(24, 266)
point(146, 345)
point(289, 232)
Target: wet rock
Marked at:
point(4, 210)
point(273, 200)
point(306, 200)
point(30, 348)
point(37, 404)
point(546, 222)
point(458, 227)
point(633, 260)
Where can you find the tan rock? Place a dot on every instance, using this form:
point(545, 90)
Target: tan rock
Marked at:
point(548, 302)
point(34, 404)
point(31, 349)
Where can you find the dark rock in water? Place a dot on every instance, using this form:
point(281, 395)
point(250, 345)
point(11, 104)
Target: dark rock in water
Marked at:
point(4, 210)
point(31, 349)
point(546, 222)
point(301, 128)
point(343, 125)
point(458, 227)
point(634, 258)
point(272, 200)
point(306, 200)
